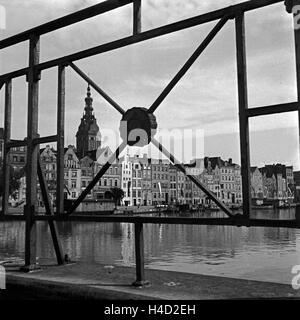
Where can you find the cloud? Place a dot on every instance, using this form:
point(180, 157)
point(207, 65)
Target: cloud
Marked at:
point(206, 97)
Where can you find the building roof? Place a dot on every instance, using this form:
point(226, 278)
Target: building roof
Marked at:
point(252, 169)
point(214, 161)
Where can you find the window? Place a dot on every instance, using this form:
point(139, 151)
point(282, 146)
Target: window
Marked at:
point(73, 194)
point(73, 183)
point(83, 184)
point(116, 183)
point(105, 182)
point(74, 174)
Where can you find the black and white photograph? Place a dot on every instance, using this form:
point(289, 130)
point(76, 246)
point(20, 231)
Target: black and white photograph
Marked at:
point(149, 153)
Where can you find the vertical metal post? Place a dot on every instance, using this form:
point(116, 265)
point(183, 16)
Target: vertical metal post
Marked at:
point(297, 56)
point(139, 255)
point(137, 17)
point(243, 105)
point(7, 136)
point(60, 140)
point(49, 211)
point(32, 154)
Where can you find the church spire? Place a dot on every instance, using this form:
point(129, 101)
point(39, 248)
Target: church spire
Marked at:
point(87, 136)
point(88, 102)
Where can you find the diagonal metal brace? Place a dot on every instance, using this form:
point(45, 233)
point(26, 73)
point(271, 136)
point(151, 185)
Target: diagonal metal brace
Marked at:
point(49, 211)
point(99, 175)
point(197, 182)
point(188, 64)
point(97, 88)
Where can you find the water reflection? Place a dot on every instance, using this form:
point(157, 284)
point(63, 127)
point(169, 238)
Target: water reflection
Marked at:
point(253, 253)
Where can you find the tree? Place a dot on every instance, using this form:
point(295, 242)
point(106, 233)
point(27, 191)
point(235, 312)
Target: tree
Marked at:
point(14, 179)
point(117, 194)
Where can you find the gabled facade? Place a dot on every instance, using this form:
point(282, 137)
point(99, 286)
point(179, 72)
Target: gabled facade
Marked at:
point(72, 173)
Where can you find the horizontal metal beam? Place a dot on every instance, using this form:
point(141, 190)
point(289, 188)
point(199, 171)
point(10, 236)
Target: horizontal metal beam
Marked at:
point(46, 139)
point(23, 143)
point(236, 221)
point(16, 143)
point(65, 21)
point(147, 35)
point(277, 108)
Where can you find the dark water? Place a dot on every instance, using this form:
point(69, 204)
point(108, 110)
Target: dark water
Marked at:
point(251, 253)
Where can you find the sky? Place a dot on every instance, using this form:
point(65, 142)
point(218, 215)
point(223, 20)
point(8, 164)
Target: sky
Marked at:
point(204, 100)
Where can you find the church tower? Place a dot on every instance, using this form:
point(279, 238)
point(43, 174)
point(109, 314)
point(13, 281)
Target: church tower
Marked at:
point(87, 136)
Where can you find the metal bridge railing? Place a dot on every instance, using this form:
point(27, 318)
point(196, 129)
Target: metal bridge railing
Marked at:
point(33, 140)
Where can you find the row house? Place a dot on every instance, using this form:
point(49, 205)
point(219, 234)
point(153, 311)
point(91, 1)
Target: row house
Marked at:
point(72, 173)
point(223, 178)
point(48, 164)
point(17, 155)
point(126, 179)
point(91, 164)
point(137, 168)
point(147, 195)
point(160, 181)
point(173, 174)
point(278, 182)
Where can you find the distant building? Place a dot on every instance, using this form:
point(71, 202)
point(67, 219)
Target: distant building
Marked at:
point(257, 188)
point(111, 179)
point(296, 177)
point(72, 173)
point(137, 168)
point(226, 180)
point(173, 172)
point(126, 180)
point(160, 181)
point(147, 195)
point(48, 163)
point(278, 182)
